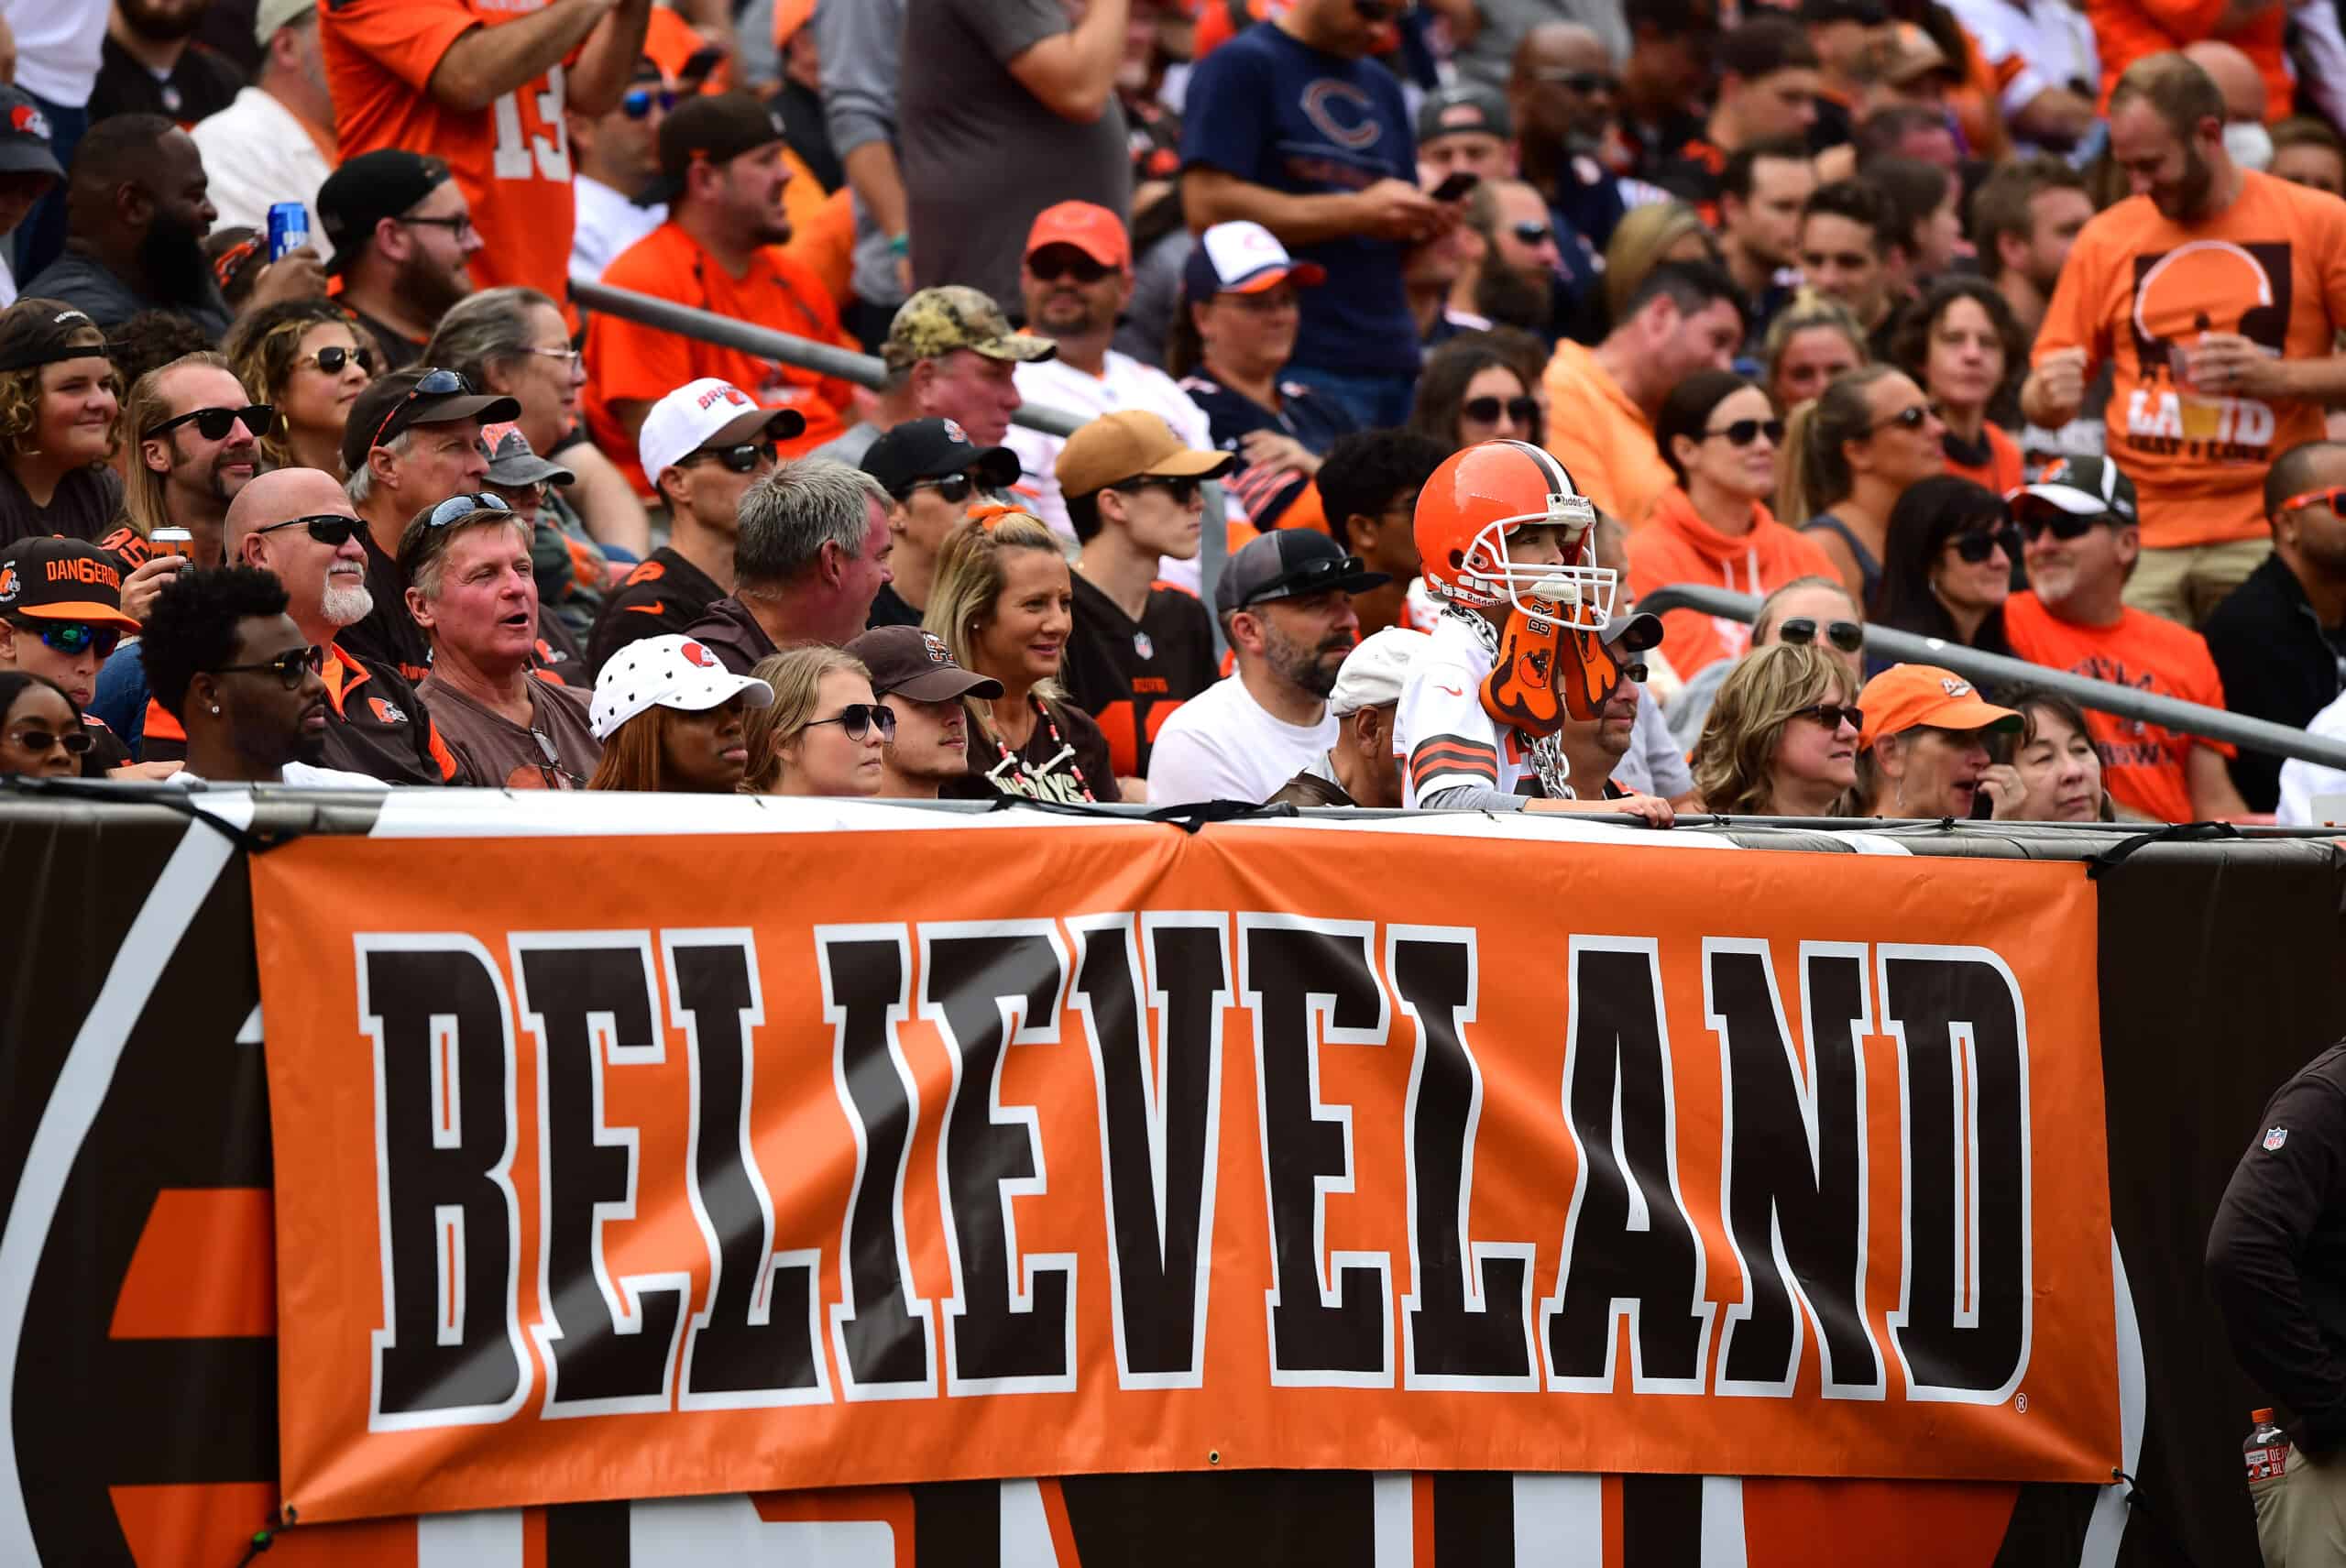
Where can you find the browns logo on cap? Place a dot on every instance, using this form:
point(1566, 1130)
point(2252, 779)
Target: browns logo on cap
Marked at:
point(64, 579)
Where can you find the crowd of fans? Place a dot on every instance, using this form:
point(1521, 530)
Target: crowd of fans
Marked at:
point(1999, 322)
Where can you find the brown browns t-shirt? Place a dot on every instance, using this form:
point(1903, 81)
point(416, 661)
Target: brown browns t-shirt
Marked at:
point(557, 749)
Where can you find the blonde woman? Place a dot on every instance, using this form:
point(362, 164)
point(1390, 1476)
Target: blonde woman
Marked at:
point(1645, 238)
point(827, 733)
point(1782, 735)
point(1005, 604)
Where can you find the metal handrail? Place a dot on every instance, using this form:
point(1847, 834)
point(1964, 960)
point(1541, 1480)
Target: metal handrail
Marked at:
point(2188, 718)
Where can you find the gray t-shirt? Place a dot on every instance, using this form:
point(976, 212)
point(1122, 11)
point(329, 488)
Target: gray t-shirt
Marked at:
point(982, 156)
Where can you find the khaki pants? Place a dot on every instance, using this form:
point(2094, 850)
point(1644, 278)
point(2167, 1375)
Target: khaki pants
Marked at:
point(2187, 582)
point(2301, 1516)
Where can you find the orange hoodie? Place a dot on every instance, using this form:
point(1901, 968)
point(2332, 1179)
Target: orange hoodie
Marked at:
point(1677, 546)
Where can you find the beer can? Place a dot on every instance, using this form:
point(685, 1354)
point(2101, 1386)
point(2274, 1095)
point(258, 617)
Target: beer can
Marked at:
point(289, 228)
point(170, 542)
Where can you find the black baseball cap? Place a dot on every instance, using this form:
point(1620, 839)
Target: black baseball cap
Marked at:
point(1288, 563)
point(1456, 111)
point(366, 189)
point(54, 578)
point(25, 136)
point(393, 403)
point(931, 449)
point(1865, 13)
point(2082, 486)
point(907, 661)
point(713, 127)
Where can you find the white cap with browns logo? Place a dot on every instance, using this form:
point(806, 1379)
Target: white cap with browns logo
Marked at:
point(707, 413)
point(666, 672)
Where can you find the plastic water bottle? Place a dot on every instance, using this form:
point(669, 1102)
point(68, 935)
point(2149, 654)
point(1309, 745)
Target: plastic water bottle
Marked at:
point(2266, 1450)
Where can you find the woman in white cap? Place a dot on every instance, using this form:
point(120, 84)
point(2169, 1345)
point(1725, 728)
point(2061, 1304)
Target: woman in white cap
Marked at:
point(670, 719)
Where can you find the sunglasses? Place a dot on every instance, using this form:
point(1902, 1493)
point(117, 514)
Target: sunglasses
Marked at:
point(1533, 233)
point(1833, 715)
point(1183, 488)
point(1584, 81)
point(330, 361)
point(1069, 264)
point(638, 102)
point(1486, 411)
point(435, 384)
point(1846, 635)
point(75, 637)
point(551, 770)
point(1981, 543)
point(1329, 572)
point(741, 459)
point(857, 719)
point(1744, 431)
point(214, 424)
point(455, 508)
point(953, 489)
point(1913, 417)
point(288, 667)
point(2063, 525)
point(325, 527)
point(75, 741)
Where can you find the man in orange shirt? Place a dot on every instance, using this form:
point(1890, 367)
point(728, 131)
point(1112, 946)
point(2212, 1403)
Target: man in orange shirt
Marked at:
point(2214, 292)
point(2079, 522)
point(483, 84)
point(720, 250)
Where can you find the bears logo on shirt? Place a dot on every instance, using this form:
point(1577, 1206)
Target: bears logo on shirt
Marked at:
point(1342, 112)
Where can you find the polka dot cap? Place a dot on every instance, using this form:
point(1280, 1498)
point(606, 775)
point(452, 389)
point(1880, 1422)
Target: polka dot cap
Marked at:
point(666, 672)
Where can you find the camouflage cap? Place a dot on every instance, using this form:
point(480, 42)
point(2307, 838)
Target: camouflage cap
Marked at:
point(938, 320)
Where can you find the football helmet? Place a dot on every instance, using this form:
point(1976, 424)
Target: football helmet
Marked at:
point(1484, 492)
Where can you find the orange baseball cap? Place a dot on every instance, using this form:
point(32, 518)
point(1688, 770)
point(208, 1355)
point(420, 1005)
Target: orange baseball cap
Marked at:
point(1091, 229)
point(1904, 697)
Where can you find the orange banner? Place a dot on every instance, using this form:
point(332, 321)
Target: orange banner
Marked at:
point(937, 1150)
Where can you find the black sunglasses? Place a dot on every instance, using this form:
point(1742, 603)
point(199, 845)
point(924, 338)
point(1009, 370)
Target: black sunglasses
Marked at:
point(330, 361)
point(741, 459)
point(1981, 543)
point(78, 637)
point(1183, 488)
point(953, 489)
point(1486, 411)
point(325, 527)
point(1833, 715)
point(214, 424)
point(858, 718)
point(1911, 417)
point(638, 103)
point(1327, 573)
point(1744, 431)
point(1846, 635)
point(1532, 232)
point(1069, 263)
point(1583, 81)
point(75, 741)
point(288, 667)
point(455, 508)
point(435, 384)
point(2065, 525)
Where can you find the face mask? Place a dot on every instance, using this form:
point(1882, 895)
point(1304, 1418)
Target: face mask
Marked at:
point(2250, 144)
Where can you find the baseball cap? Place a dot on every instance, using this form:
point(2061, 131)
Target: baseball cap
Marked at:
point(25, 136)
point(1456, 111)
point(1242, 259)
point(707, 413)
point(671, 671)
point(511, 461)
point(932, 448)
point(1128, 444)
point(1091, 229)
point(1633, 633)
point(949, 316)
point(715, 127)
point(399, 401)
point(33, 337)
point(1905, 696)
point(52, 578)
point(1914, 54)
point(904, 660)
point(2082, 486)
point(1376, 670)
point(367, 188)
point(1287, 563)
point(271, 15)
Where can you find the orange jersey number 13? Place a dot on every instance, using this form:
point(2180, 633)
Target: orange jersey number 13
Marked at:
point(531, 141)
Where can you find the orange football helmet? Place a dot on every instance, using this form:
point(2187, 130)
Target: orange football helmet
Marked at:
point(1484, 492)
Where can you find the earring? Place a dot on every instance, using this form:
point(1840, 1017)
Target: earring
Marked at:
point(215, 709)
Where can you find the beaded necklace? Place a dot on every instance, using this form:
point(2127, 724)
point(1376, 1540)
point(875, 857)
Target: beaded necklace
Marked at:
point(1021, 780)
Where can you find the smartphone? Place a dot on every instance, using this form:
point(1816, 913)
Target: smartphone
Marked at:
point(1454, 189)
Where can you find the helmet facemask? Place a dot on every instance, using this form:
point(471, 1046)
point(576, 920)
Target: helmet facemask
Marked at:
point(1571, 593)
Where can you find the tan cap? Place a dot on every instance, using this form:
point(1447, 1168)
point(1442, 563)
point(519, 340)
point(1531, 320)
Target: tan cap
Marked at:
point(1126, 445)
point(940, 320)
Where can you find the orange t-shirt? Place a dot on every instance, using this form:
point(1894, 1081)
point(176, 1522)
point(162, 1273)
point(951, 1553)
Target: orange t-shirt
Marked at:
point(2142, 765)
point(2271, 267)
point(1601, 438)
point(512, 159)
point(630, 363)
point(2126, 30)
point(2003, 473)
